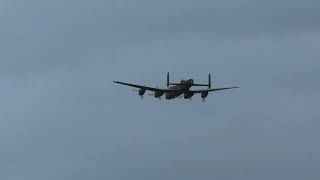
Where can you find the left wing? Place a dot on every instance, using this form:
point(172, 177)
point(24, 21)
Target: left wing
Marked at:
point(210, 90)
point(145, 87)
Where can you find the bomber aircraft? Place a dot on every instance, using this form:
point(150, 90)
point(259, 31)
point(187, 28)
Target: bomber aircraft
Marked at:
point(175, 90)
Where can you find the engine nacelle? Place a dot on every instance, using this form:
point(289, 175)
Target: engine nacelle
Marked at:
point(141, 92)
point(158, 94)
point(188, 95)
point(204, 94)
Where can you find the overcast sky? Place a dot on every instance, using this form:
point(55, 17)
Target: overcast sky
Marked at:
point(61, 117)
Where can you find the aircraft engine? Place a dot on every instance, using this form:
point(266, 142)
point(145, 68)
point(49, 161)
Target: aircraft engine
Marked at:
point(188, 95)
point(141, 92)
point(158, 94)
point(204, 94)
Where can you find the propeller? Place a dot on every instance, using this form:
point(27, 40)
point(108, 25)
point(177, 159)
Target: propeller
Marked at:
point(209, 81)
point(152, 94)
point(136, 90)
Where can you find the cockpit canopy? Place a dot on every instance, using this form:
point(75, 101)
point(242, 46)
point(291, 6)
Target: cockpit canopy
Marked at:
point(189, 81)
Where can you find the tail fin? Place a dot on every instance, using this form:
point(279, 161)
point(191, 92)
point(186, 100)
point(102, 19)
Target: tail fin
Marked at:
point(168, 79)
point(209, 81)
point(208, 85)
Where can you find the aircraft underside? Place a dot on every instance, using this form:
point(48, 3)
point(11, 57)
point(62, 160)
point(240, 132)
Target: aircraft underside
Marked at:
point(172, 95)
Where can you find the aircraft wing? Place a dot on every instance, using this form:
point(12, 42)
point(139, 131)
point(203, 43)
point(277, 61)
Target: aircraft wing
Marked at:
point(210, 90)
point(145, 87)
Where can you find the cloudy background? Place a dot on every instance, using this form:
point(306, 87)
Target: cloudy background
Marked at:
point(62, 118)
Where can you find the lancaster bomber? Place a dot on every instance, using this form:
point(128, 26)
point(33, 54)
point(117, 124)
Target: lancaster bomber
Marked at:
point(175, 90)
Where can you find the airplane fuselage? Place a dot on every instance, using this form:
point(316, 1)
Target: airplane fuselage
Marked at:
point(180, 89)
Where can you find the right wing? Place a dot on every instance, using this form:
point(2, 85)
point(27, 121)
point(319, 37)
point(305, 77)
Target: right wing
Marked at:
point(210, 90)
point(145, 87)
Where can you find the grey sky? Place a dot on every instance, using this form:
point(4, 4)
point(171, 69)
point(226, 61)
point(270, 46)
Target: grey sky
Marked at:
point(62, 118)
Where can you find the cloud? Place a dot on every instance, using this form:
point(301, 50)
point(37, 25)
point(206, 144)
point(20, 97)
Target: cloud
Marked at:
point(40, 35)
